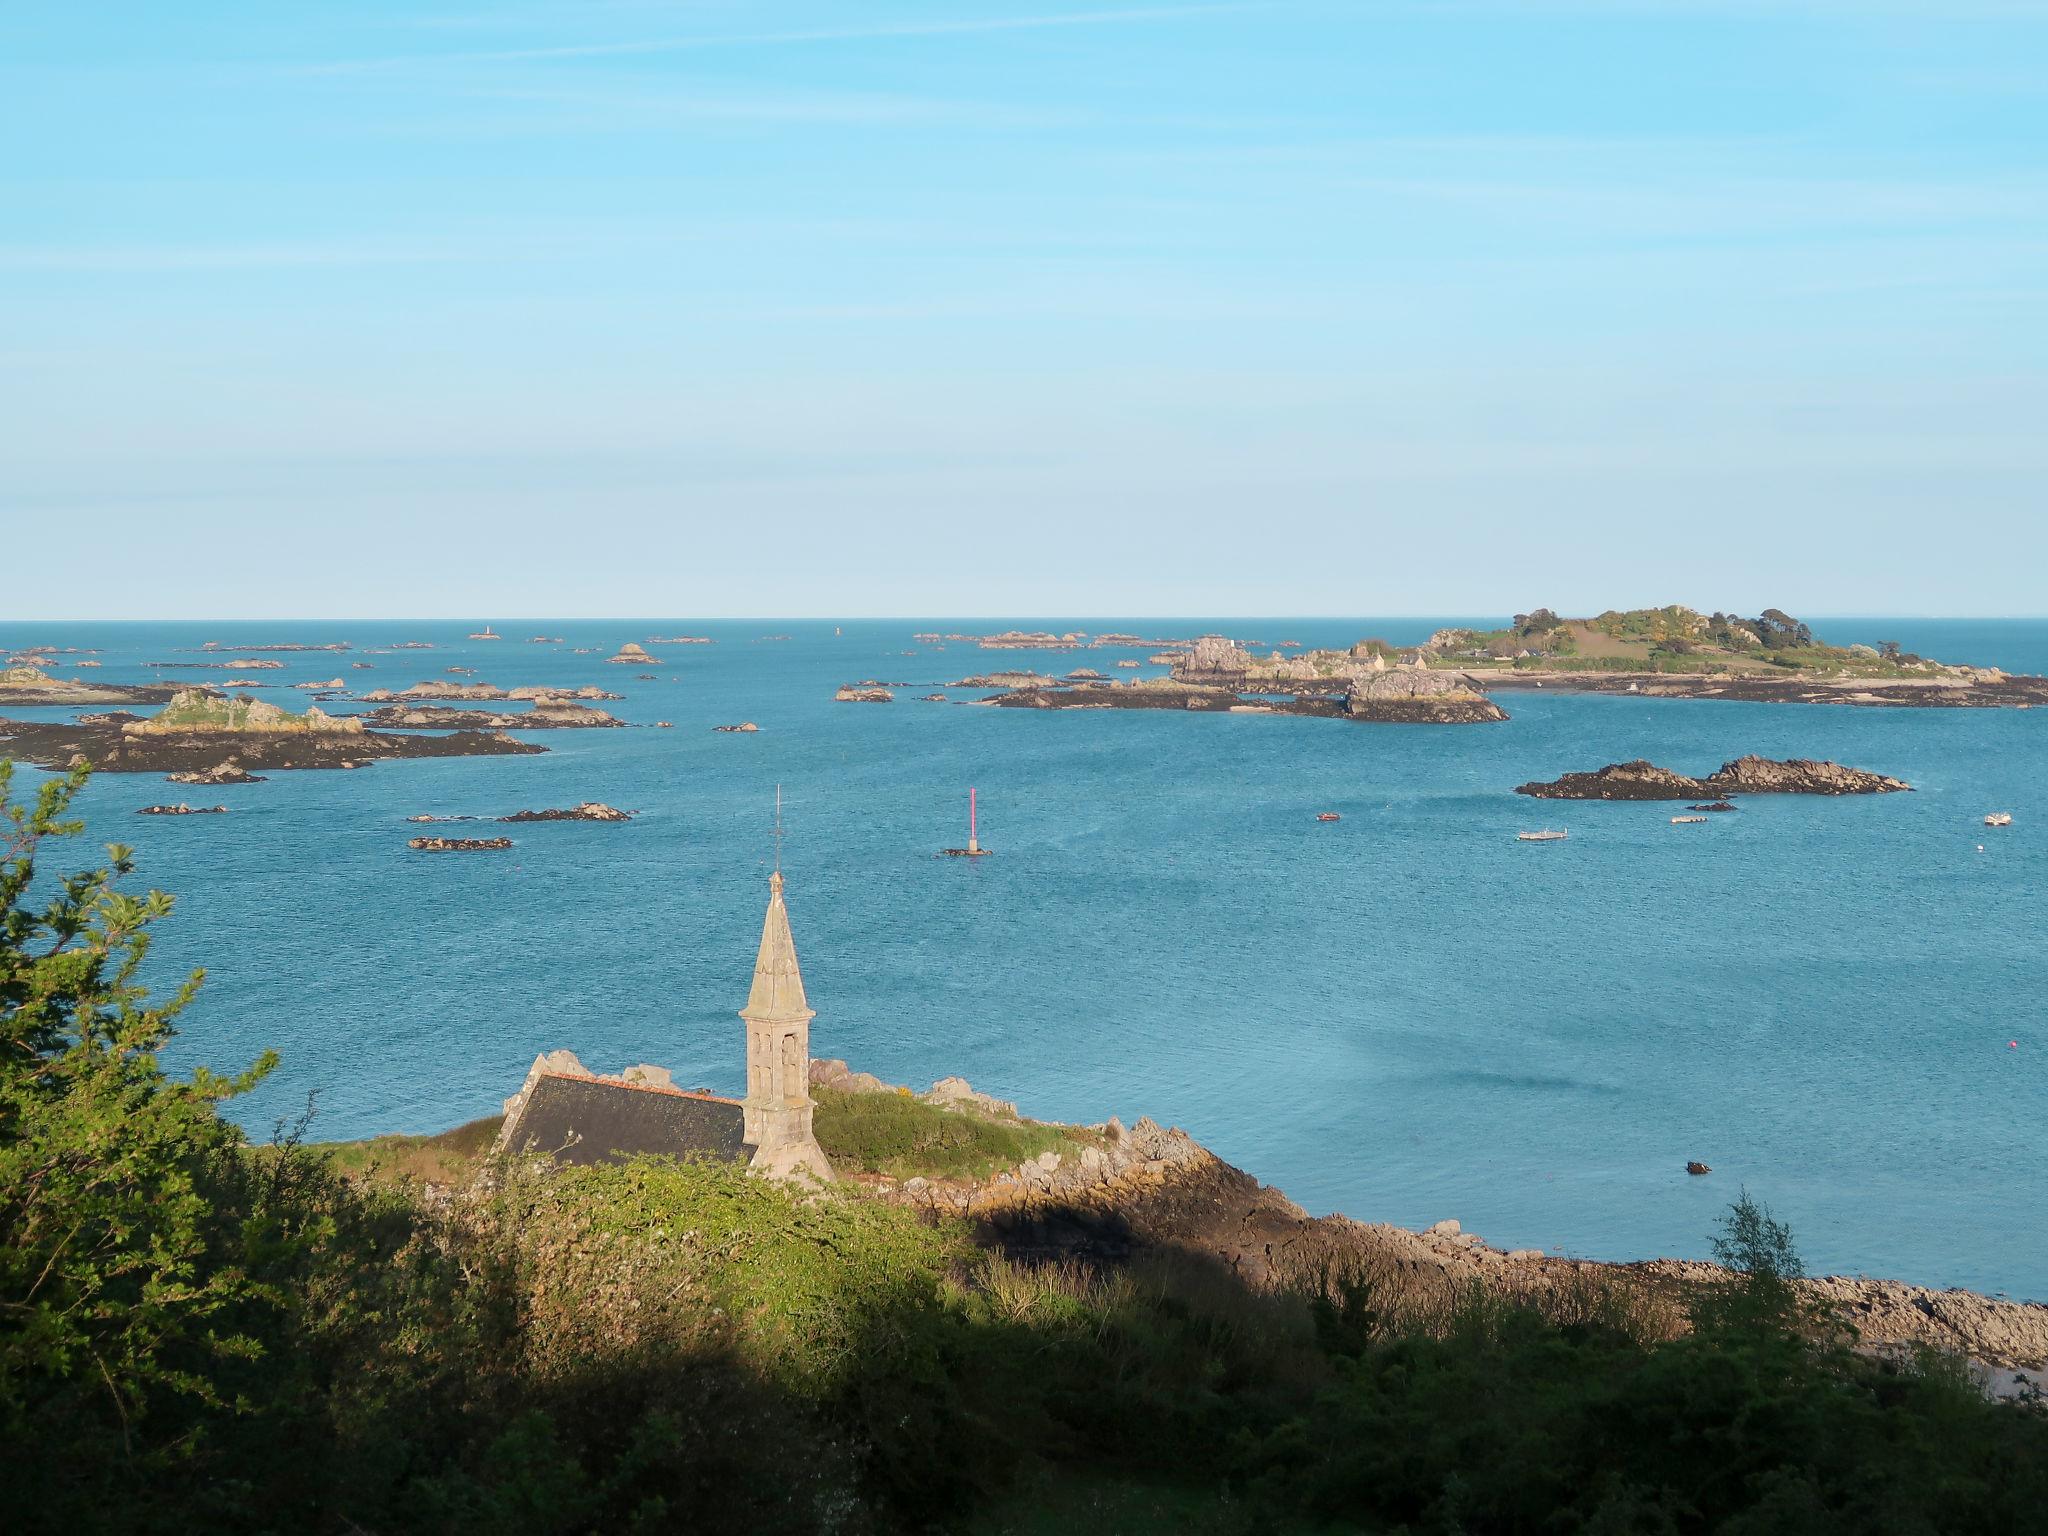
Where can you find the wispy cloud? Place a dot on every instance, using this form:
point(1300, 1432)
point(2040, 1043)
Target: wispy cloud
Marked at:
point(966, 26)
point(220, 258)
point(529, 110)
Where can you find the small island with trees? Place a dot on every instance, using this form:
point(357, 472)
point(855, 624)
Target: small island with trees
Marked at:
point(1678, 652)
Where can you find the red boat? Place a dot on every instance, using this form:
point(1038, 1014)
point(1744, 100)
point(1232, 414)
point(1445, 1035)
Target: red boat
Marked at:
point(1329, 816)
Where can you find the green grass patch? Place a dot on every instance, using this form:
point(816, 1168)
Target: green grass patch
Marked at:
point(893, 1134)
point(400, 1160)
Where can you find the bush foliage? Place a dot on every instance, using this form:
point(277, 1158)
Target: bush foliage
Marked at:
point(196, 1334)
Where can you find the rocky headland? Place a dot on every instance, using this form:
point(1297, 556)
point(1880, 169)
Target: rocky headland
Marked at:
point(1120, 1194)
point(198, 732)
point(1642, 780)
point(1680, 653)
point(29, 686)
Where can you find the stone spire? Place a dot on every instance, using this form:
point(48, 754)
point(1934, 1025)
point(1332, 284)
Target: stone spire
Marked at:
point(778, 1104)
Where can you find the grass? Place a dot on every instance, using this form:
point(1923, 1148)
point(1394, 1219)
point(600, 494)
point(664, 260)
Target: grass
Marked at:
point(413, 1160)
point(885, 1133)
point(894, 1134)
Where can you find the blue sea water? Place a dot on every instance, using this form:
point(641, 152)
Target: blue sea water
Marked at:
point(1403, 1016)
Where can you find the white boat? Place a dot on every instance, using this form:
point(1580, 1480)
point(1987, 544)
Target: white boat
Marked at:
point(1680, 821)
point(1545, 836)
point(1998, 819)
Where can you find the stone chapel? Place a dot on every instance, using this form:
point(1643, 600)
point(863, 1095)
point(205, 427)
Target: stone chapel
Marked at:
point(565, 1111)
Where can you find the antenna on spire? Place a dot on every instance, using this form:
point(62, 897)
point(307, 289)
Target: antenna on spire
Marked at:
point(778, 829)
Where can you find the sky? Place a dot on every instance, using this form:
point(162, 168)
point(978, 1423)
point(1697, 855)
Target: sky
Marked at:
point(751, 307)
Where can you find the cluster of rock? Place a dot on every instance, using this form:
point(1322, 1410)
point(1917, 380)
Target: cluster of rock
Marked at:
point(1643, 780)
point(462, 692)
point(1029, 640)
point(182, 809)
point(196, 712)
point(853, 693)
point(338, 645)
point(546, 715)
point(228, 772)
point(1419, 697)
point(744, 728)
point(589, 810)
point(568, 1064)
point(1218, 661)
point(631, 654)
point(458, 844)
point(1006, 680)
point(240, 664)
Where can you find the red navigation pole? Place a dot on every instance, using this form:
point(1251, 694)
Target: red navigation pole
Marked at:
point(973, 850)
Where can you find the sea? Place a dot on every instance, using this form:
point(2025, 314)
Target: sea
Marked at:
point(1403, 1015)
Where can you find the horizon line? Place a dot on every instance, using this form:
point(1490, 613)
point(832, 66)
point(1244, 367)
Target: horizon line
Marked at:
point(922, 618)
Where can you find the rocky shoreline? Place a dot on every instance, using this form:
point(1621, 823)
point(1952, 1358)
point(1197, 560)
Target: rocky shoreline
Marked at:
point(546, 715)
point(1643, 780)
point(1396, 698)
point(110, 749)
point(27, 687)
point(1984, 690)
point(1125, 1193)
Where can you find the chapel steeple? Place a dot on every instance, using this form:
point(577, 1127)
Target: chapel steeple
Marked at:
point(778, 1104)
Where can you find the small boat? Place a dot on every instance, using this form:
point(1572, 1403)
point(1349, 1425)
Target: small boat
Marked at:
point(1545, 836)
point(1683, 821)
point(1328, 816)
point(1998, 819)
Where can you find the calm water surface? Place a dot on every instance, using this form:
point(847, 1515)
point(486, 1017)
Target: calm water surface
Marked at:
point(1404, 1016)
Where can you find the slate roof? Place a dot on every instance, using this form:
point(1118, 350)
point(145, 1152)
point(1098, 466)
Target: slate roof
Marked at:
point(586, 1120)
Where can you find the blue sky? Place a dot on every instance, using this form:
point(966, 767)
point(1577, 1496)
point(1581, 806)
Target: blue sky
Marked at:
point(623, 307)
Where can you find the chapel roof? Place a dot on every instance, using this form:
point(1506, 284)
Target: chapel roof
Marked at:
point(582, 1120)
